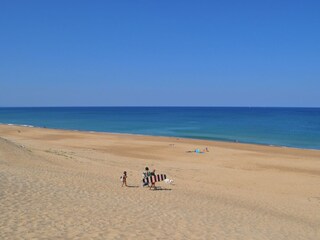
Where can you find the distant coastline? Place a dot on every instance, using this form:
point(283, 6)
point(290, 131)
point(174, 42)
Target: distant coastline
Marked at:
point(282, 127)
point(166, 137)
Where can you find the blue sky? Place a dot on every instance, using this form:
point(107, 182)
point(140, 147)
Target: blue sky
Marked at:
point(159, 53)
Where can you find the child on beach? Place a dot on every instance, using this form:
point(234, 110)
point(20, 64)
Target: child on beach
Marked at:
point(124, 179)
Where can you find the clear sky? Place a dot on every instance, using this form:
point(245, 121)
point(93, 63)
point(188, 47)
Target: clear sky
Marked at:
point(159, 53)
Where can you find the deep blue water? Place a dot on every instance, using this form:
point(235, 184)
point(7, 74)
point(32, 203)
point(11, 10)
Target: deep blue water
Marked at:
point(292, 127)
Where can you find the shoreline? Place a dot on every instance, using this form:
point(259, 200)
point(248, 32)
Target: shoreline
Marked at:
point(169, 137)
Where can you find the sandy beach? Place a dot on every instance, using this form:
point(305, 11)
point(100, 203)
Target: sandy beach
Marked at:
point(57, 184)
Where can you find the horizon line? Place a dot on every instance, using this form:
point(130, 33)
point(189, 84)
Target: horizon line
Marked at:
point(160, 106)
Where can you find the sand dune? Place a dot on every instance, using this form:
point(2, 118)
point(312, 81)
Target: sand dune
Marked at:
point(58, 184)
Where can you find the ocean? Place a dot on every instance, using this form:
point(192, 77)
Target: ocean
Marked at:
point(288, 127)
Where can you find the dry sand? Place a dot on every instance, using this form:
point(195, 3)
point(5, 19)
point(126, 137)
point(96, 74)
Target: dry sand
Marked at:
point(58, 184)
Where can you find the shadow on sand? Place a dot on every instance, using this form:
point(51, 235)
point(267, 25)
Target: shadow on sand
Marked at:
point(160, 189)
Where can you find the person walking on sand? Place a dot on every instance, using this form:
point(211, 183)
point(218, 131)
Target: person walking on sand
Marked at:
point(153, 183)
point(124, 179)
point(145, 174)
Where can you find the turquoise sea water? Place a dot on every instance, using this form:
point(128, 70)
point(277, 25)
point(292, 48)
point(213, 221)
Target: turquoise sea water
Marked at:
point(291, 127)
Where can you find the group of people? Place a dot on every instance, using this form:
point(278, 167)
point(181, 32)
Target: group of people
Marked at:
point(197, 150)
point(145, 175)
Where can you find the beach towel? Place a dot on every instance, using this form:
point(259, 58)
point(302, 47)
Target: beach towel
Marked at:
point(155, 178)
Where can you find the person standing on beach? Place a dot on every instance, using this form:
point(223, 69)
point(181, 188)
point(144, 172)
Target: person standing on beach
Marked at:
point(145, 174)
point(153, 181)
point(124, 179)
